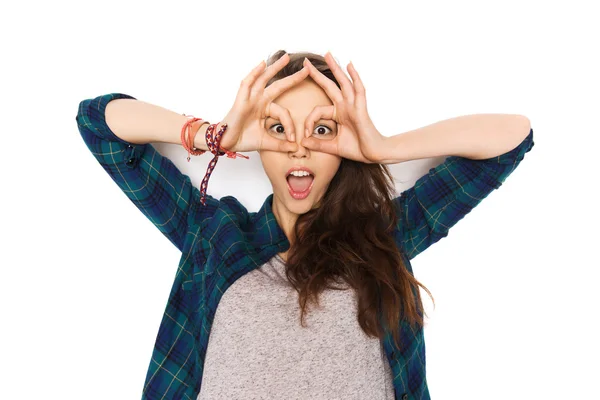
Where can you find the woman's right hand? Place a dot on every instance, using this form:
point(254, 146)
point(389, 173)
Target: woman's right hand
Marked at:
point(246, 130)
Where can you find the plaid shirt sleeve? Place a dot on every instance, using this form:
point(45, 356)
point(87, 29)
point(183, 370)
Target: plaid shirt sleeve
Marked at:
point(151, 181)
point(448, 192)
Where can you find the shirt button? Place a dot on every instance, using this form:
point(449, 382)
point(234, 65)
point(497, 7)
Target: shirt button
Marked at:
point(131, 158)
point(404, 396)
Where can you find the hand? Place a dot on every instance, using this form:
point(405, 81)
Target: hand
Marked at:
point(357, 138)
point(246, 120)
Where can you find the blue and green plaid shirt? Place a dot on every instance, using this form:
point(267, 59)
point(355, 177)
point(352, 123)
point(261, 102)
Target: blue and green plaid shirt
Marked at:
point(222, 241)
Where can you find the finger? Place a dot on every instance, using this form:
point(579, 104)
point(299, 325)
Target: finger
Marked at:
point(281, 85)
point(317, 113)
point(283, 115)
point(249, 80)
point(359, 88)
point(340, 76)
point(327, 84)
point(273, 144)
point(325, 146)
point(270, 72)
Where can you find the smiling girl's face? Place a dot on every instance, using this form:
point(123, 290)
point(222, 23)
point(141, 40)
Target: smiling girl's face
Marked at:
point(300, 101)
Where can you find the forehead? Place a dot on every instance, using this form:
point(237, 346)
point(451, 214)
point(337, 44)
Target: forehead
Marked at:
point(303, 97)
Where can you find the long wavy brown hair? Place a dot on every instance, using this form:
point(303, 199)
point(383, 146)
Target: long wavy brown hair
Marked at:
point(348, 238)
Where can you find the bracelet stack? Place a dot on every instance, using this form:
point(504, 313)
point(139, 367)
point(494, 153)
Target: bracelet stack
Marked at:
point(192, 126)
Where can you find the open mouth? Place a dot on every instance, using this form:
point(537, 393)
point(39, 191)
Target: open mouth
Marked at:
point(300, 186)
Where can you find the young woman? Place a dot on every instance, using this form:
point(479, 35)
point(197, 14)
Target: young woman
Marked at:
point(313, 296)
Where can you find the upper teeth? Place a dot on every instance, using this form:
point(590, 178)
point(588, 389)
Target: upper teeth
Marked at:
point(299, 173)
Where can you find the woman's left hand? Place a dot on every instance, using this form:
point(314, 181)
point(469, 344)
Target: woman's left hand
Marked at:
point(357, 138)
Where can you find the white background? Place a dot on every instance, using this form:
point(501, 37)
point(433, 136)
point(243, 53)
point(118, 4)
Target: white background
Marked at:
point(86, 277)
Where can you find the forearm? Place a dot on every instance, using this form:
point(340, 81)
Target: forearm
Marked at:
point(139, 122)
point(476, 136)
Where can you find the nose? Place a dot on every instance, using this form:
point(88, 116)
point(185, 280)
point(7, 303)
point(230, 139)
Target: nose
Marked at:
point(302, 151)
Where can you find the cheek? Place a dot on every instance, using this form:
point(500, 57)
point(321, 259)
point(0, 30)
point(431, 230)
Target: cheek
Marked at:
point(330, 165)
point(271, 165)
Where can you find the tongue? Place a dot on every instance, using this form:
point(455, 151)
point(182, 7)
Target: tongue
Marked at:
point(299, 183)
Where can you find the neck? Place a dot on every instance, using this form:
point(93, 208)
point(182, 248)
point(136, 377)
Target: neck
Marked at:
point(285, 219)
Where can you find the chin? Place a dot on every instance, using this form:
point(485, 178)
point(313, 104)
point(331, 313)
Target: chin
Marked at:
point(299, 206)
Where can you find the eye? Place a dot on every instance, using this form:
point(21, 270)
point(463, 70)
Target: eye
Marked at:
point(278, 131)
point(320, 130)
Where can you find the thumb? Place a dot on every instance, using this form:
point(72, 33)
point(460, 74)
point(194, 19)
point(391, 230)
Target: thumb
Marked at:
point(311, 143)
point(325, 146)
point(273, 144)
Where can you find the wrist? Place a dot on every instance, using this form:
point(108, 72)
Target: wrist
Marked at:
point(200, 138)
point(226, 143)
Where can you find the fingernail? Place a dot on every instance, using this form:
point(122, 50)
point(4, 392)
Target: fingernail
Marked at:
point(293, 136)
point(306, 132)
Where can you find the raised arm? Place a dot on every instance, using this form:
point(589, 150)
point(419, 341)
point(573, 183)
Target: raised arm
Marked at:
point(448, 192)
point(151, 181)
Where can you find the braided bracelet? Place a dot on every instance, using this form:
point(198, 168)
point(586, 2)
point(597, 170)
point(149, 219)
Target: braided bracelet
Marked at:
point(213, 142)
